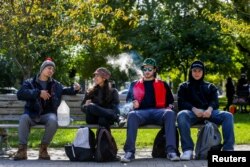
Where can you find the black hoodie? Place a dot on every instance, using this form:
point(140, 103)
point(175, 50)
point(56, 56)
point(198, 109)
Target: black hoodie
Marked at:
point(197, 93)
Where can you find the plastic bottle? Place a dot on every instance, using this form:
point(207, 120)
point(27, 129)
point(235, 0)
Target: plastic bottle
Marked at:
point(126, 108)
point(63, 114)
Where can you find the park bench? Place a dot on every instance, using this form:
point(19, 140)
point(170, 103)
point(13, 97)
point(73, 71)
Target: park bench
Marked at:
point(11, 108)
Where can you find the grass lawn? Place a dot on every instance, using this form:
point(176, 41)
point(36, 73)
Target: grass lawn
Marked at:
point(145, 137)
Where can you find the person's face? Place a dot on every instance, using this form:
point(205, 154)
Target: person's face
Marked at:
point(148, 71)
point(197, 73)
point(48, 71)
point(98, 79)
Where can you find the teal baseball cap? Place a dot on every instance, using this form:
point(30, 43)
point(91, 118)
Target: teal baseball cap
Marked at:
point(149, 61)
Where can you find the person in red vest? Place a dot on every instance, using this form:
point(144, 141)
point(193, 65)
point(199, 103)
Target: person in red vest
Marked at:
point(152, 104)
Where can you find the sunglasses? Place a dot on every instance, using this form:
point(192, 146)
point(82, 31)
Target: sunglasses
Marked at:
point(150, 69)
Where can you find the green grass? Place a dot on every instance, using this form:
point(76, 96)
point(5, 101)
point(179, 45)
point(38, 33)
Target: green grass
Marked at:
point(145, 137)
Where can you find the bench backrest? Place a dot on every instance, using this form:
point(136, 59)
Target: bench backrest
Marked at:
point(11, 108)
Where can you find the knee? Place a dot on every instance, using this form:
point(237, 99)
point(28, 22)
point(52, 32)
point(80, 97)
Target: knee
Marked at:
point(52, 121)
point(229, 117)
point(89, 108)
point(170, 115)
point(132, 116)
point(24, 118)
point(182, 117)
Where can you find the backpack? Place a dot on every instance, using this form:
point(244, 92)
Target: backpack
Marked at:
point(106, 148)
point(159, 145)
point(232, 109)
point(209, 139)
point(83, 147)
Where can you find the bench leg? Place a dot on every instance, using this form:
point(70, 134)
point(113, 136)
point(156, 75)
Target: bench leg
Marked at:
point(4, 144)
point(1, 146)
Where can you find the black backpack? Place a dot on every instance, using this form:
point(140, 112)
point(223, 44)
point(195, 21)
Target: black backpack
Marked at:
point(83, 147)
point(159, 145)
point(106, 148)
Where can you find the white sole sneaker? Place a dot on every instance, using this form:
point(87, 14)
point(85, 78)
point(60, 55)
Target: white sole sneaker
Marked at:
point(187, 155)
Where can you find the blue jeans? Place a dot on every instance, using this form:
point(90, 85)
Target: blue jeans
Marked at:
point(186, 119)
point(162, 117)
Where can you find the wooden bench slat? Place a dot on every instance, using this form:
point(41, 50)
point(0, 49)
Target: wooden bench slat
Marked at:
point(4, 111)
point(13, 117)
point(20, 104)
point(9, 97)
point(11, 109)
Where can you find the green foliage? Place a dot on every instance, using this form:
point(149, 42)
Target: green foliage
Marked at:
point(8, 72)
point(81, 35)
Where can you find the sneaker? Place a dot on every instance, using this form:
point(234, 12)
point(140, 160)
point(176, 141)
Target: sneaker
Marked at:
point(187, 155)
point(173, 157)
point(122, 122)
point(129, 156)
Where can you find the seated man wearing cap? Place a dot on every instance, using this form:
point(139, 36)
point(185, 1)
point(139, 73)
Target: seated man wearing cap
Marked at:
point(101, 102)
point(197, 101)
point(43, 96)
point(152, 104)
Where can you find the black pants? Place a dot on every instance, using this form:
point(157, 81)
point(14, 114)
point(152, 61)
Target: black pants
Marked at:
point(99, 115)
point(229, 102)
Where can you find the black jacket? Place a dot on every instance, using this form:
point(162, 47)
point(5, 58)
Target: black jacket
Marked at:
point(36, 106)
point(96, 98)
point(202, 97)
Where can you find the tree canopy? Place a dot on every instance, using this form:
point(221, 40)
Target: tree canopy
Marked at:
point(81, 36)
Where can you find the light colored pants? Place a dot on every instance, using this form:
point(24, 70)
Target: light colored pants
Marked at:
point(25, 123)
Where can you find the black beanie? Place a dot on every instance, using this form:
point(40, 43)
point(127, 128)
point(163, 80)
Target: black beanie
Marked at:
point(197, 64)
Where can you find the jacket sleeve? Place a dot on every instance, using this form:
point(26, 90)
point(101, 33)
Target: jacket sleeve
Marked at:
point(86, 97)
point(115, 101)
point(213, 101)
point(182, 96)
point(28, 92)
point(115, 95)
point(169, 96)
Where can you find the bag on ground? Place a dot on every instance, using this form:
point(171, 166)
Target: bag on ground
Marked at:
point(159, 145)
point(209, 138)
point(106, 148)
point(232, 109)
point(83, 147)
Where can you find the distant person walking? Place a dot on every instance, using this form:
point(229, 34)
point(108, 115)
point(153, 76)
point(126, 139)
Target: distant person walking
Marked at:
point(243, 91)
point(230, 91)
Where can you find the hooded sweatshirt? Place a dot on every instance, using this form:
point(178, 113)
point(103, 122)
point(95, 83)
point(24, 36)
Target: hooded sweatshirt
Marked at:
point(197, 93)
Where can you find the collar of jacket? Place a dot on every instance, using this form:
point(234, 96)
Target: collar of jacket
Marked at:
point(37, 78)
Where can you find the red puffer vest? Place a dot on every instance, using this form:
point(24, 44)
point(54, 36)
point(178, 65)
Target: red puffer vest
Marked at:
point(159, 89)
